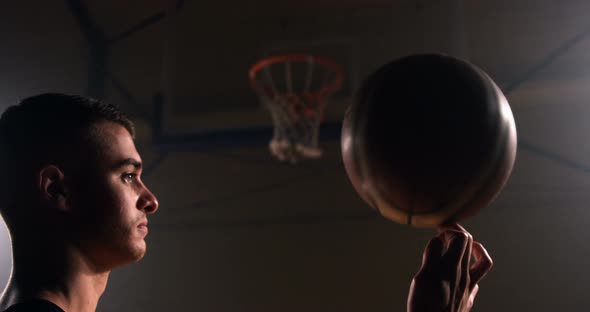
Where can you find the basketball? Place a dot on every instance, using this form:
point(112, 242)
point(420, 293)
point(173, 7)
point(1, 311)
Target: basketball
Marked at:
point(430, 139)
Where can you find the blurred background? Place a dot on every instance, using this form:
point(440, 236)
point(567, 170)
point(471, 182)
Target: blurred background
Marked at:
point(238, 230)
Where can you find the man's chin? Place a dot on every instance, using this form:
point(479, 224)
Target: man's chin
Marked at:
point(139, 251)
point(133, 253)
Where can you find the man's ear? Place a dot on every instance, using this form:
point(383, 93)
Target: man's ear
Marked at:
point(51, 185)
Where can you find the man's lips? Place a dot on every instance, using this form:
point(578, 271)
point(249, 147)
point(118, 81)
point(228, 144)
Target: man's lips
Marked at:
point(143, 226)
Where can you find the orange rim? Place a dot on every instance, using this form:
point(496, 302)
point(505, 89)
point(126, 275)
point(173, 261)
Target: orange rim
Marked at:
point(324, 91)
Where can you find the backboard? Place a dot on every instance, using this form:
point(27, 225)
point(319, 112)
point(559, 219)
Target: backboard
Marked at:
point(207, 99)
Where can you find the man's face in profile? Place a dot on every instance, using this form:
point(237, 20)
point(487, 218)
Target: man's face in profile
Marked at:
point(111, 201)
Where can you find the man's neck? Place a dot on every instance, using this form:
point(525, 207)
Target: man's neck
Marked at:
point(80, 292)
point(67, 280)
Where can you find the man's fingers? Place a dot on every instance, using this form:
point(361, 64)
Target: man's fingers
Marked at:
point(451, 264)
point(472, 296)
point(448, 255)
point(482, 263)
point(457, 243)
point(448, 231)
point(433, 252)
point(464, 280)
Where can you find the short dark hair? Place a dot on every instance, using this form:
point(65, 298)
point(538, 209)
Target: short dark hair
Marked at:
point(43, 127)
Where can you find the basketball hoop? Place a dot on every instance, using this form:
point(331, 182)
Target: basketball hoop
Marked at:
point(296, 104)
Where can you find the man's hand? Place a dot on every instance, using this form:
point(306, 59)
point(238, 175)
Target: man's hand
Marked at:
point(447, 280)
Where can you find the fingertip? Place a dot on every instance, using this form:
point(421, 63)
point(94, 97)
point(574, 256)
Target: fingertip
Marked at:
point(449, 232)
point(453, 226)
point(450, 236)
point(456, 243)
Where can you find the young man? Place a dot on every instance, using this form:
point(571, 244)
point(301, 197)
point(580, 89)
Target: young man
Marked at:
point(73, 201)
point(76, 208)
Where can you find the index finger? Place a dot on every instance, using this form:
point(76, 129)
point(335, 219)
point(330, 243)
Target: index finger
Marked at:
point(451, 227)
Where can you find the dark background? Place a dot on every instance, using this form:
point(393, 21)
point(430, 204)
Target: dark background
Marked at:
point(238, 231)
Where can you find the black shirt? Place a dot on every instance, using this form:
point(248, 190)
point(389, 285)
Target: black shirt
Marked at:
point(38, 305)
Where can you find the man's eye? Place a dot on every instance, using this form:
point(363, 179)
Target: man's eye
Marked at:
point(129, 177)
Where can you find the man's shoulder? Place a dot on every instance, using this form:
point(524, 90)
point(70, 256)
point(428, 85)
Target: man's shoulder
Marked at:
point(34, 306)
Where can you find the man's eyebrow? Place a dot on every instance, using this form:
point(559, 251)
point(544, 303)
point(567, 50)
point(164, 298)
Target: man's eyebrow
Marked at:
point(128, 162)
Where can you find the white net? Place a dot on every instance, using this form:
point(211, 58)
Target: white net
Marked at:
point(296, 104)
point(296, 130)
